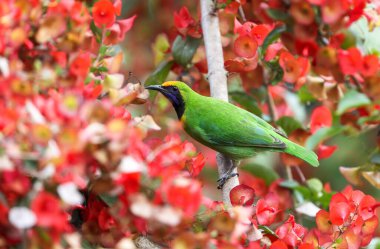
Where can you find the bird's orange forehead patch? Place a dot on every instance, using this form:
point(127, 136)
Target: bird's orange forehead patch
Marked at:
point(169, 83)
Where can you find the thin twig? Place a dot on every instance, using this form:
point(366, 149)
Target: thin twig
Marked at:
point(241, 13)
point(289, 173)
point(301, 175)
point(269, 98)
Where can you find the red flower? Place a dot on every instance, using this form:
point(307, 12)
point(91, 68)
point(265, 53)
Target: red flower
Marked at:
point(185, 194)
point(267, 209)
point(323, 221)
point(293, 68)
point(290, 232)
point(242, 195)
point(241, 64)
point(245, 46)
point(104, 13)
point(321, 117)
point(339, 209)
point(105, 220)
point(325, 151)
point(259, 33)
point(183, 19)
point(185, 23)
point(196, 165)
point(80, 66)
point(370, 65)
point(333, 10)
point(130, 182)
point(14, 184)
point(278, 244)
point(350, 61)
point(118, 30)
point(302, 12)
point(48, 211)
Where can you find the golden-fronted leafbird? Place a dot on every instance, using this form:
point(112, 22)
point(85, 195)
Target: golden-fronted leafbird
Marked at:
point(227, 128)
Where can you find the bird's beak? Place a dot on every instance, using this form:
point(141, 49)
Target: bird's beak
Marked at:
point(155, 87)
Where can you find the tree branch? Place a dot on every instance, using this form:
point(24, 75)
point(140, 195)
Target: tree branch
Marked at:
point(217, 77)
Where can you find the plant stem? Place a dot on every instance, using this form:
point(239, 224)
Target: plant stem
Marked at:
point(241, 13)
point(269, 99)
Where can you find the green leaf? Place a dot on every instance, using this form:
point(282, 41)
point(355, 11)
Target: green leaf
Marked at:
point(352, 99)
point(276, 72)
point(184, 50)
point(248, 102)
point(315, 185)
point(87, 245)
point(305, 95)
point(289, 184)
point(103, 50)
point(325, 199)
point(160, 74)
point(261, 171)
point(277, 14)
point(267, 230)
point(322, 134)
point(96, 31)
point(289, 124)
point(272, 37)
point(108, 199)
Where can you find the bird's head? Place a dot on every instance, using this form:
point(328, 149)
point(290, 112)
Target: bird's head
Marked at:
point(176, 92)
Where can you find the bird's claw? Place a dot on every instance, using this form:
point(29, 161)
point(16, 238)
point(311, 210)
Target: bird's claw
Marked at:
point(224, 179)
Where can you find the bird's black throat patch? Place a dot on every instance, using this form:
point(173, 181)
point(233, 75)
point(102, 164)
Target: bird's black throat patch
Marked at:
point(173, 94)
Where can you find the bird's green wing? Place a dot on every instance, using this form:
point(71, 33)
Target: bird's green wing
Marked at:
point(236, 127)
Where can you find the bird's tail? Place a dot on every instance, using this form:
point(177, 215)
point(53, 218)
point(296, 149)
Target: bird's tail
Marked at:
point(302, 153)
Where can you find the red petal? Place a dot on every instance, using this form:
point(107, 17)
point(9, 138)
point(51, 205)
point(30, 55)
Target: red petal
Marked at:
point(197, 165)
point(242, 195)
point(370, 65)
point(323, 221)
point(278, 244)
point(320, 117)
point(117, 5)
point(350, 61)
point(325, 151)
point(290, 66)
point(259, 33)
point(339, 212)
point(245, 46)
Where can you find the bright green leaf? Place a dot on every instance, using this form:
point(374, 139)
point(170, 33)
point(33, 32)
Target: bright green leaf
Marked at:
point(352, 99)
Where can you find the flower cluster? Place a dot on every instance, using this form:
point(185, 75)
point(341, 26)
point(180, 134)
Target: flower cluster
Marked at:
point(350, 222)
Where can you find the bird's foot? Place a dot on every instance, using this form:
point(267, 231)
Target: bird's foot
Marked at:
point(225, 178)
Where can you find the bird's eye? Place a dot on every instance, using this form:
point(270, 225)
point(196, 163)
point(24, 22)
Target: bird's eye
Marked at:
point(175, 89)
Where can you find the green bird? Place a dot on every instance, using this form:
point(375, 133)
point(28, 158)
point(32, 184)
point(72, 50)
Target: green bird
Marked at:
point(227, 128)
